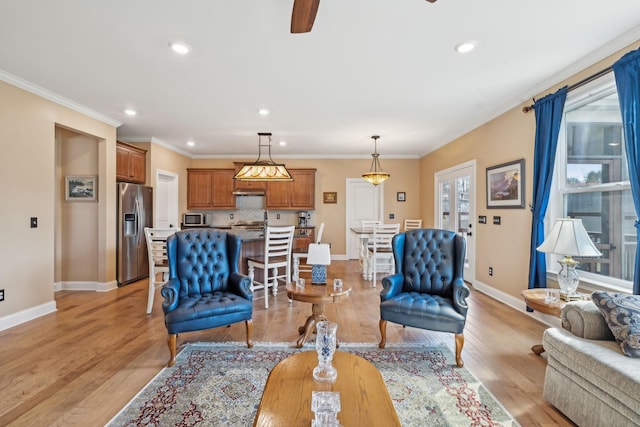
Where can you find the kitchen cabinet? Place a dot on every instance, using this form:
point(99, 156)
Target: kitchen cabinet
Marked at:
point(210, 189)
point(299, 194)
point(130, 163)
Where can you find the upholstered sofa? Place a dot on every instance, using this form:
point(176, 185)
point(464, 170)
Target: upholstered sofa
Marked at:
point(588, 377)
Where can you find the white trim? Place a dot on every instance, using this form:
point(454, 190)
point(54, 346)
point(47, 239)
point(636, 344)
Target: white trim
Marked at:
point(58, 99)
point(85, 286)
point(26, 315)
point(173, 199)
point(516, 303)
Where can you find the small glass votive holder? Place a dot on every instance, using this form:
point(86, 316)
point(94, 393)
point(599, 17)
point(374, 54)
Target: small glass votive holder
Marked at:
point(325, 406)
point(551, 295)
point(337, 284)
point(300, 282)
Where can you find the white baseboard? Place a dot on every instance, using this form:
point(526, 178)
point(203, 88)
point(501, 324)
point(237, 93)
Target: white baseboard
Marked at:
point(516, 303)
point(85, 286)
point(20, 317)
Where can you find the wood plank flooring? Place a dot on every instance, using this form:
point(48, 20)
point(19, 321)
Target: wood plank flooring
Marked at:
point(81, 365)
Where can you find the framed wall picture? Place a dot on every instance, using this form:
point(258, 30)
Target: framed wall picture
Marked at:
point(330, 197)
point(401, 196)
point(505, 185)
point(81, 188)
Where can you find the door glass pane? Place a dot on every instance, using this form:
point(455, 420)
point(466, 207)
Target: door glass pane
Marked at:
point(445, 210)
point(462, 210)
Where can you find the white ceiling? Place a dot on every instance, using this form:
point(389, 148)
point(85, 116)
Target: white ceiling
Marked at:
point(368, 67)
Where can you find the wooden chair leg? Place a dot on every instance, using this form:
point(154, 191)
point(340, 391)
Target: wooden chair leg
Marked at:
point(459, 345)
point(383, 333)
point(249, 327)
point(171, 341)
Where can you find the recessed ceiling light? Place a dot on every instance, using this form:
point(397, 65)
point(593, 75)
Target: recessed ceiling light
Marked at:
point(283, 143)
point(263, 112)
point(466, 47)
point(191, 143)
point(179, 47)
point(130, 112)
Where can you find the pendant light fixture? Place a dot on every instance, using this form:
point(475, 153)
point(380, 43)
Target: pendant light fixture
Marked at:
point(375, 175)
point(263, 170)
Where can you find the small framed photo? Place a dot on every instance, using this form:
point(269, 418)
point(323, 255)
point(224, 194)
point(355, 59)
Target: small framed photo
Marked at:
point(505, 185)
point(81, 188)
point(401, 196)
point(330, 197)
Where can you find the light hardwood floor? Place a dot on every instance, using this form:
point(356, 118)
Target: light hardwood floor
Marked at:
point(81, 365)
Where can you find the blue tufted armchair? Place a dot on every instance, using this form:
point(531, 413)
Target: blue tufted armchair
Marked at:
point(427, 290)
point(204, 289)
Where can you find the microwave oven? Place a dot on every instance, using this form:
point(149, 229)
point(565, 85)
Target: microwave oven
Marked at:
point(193, 219)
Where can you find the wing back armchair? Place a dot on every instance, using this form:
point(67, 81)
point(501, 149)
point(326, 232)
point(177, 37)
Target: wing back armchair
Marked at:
point(205, 289)
point(427, 290)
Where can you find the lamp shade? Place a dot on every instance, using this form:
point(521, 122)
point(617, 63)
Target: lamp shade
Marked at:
point(569, 237)
point(318, 254)
point(263, 170)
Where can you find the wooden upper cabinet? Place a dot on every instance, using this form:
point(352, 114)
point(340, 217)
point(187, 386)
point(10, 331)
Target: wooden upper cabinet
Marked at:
point(299, 194)
point(130, 163)
point(278, 195)
point(210, 189)
point(303, 193)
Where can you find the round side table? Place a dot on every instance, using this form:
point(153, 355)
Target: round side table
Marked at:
point(535, 299)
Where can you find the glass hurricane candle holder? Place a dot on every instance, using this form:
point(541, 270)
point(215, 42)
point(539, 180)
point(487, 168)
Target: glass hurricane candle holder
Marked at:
point(326, 347)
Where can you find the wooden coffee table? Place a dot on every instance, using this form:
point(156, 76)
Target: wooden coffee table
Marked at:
point(535, 299)
point(317, 295)
point(364, 398)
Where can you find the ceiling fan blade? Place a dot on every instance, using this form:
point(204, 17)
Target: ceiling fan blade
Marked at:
point(304, 13)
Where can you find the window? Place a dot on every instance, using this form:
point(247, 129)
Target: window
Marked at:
point(591, 180)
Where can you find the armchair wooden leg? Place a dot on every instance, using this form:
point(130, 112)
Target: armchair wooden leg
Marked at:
point(171, 341)
point(383, 333)
point(459, 345)
point(249, 326)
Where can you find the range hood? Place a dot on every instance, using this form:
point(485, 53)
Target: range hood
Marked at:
point(248, 192)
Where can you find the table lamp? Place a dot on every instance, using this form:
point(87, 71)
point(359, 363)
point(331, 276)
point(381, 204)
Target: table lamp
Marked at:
point(569, 238)
point(319, 256)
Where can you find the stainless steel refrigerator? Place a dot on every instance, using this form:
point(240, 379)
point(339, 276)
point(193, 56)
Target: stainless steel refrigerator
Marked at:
point(135, 211)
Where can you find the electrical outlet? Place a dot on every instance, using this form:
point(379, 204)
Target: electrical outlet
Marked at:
point(230, 216)
point(34, 222)
point(392, 216)
point(1, 294)
point(497, 220)
point(277, 216)
point(490, 271)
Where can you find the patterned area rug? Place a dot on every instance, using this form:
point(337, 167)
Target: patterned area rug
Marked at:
point(217, 384)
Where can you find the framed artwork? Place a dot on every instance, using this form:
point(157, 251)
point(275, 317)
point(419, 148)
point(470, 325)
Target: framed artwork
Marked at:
point(505, 185)
point(401, 196)
point(81, 188)
point(330, 197)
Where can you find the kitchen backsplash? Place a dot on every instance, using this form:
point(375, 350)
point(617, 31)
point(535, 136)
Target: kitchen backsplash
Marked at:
point(251, 208)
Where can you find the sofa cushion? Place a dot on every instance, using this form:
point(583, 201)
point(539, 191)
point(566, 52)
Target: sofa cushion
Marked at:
point(622, 313)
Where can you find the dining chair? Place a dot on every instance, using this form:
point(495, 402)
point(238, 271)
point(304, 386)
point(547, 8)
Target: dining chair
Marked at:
point(275, 263)
point(367, 225)
point(304, 268)
point(158, 264)
point(412, 224)
point(370, 224)
point(380, 254)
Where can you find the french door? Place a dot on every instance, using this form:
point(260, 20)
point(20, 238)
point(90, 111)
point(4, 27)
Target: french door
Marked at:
point(455, 208)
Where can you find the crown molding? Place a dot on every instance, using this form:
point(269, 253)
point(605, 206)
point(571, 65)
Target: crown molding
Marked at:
point(58, 99)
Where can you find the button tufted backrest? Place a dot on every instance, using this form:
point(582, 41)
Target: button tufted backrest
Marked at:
point(429, 259)
point(202, 259)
